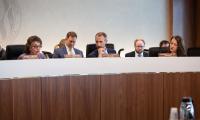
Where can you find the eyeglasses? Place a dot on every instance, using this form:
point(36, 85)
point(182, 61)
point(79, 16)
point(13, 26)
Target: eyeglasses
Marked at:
point(36, 46)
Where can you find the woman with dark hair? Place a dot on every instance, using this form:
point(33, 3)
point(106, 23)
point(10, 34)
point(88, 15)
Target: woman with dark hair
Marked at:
point(176, 46)
point(32, 49)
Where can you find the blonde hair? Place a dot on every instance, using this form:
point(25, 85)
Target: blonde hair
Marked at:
point(60, 44)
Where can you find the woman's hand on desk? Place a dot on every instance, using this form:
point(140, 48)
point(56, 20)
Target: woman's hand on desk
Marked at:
point(110, 55)
point(73, 56)
point(30, 57)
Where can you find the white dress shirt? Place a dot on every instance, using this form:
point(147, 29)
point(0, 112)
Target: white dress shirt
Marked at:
point(139, 55)
point(70, 51)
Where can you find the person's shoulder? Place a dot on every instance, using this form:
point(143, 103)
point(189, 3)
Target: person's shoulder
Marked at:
point(130, 54)
point(110, 50)
point(80, 51)
point(42, 56)
point(2, 51)
point(21, 56)
point(2, 54)
point(59, 50)
point(145, 54)
point(94, 53)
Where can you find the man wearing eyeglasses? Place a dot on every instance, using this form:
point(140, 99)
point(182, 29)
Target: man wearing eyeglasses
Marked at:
point(68, 51)
point(139, 45)
point(101, 51)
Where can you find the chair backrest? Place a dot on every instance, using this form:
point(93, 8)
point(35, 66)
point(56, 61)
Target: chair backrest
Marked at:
point(193, 52)
point(146, 50)
point(47, 54)
point(92, 47)
point(154, 51)
point(13, 51)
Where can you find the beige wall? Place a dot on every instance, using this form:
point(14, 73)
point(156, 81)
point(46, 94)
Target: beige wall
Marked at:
point(122, 20)
point(182, 21)
point(186, 23)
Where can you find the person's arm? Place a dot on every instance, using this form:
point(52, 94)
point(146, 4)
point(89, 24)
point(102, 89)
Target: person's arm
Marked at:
point(56, 53)
point(130, 54)
point(42, 56)
point(93, 54)
point(82, 54)
point(21, 56)
point(114, 51)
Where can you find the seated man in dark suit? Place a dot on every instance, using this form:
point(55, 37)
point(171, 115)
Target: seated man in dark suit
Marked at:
point(101, 51)
point(139, 45)
point(68, 51)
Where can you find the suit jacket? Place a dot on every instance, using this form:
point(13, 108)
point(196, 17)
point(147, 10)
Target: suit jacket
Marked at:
point(95, 52)
point(61, 52)
point(132, 54)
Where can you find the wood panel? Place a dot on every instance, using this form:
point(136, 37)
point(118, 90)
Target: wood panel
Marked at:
point(56, 98)
point(27, 99)
point(132, 96)
point(6, 100)
point(169, 18)
point(118, 97)
point(135, 96)
point(149, 96)
point(195, 86)
point(85, 97)
point(178, 85)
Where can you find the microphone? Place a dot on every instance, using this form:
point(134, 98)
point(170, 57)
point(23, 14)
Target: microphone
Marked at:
point(120, 50)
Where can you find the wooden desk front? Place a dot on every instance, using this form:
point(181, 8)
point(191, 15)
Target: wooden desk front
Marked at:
point(131, 96)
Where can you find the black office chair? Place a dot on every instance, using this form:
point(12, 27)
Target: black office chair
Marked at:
point(92, 47)
point(47, 54)
point(146, 50)
point(13, 51)
point(154, 51)
point(193, 52)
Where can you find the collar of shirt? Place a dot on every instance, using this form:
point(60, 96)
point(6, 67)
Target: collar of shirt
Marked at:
point(72, 52)
point(106, 51)
point(137, 55)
